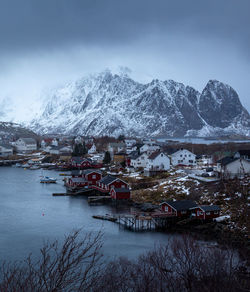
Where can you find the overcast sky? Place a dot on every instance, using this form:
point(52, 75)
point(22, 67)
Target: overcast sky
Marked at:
point(44, 43)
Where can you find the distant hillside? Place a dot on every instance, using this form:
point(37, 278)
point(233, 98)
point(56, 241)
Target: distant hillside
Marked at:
point(10, 131)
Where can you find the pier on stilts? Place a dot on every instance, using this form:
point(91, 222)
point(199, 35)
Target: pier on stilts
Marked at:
point(142, 221)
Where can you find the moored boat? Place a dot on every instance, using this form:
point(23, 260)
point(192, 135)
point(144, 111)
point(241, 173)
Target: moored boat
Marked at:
point(48, 180)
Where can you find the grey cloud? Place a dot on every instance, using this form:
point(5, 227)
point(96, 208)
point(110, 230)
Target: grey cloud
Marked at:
point(45, 42)
point(29, 24)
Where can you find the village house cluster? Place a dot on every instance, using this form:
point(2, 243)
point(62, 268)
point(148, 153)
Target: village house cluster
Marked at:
point(148, 156)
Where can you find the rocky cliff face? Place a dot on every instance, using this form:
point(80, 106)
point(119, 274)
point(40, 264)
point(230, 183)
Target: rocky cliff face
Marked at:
point(107, 104)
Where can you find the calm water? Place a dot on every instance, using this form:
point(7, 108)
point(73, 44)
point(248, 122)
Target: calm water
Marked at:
point(29, 215)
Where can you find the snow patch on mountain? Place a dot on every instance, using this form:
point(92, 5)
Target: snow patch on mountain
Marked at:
point(112, 104)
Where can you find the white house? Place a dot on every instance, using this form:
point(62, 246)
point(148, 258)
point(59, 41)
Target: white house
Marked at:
point(5, 150)
point(139, 160)
point(54, 142)
point(183, 157)
point(158, 161)
point(92, 149)
point(229, 167)
point(129, 145)
point(43, 144)
point(26, 145)
point(149, 148)
point(60, 149)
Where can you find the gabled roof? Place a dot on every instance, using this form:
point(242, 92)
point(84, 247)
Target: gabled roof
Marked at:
point(134, 155)
point(121, 190)
point(181, 205)
point(180, 150)
point(206, 208)
point(29, 140)
point(78, 180)
point(226, 160)
point(155, 154)
point(88, 171)
point(108, 179)
point(7, 146)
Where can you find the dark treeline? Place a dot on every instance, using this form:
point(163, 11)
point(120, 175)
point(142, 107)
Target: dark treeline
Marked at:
point(77, 265)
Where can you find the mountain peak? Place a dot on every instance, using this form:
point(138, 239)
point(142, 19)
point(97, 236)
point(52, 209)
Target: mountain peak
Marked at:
point(113, 103)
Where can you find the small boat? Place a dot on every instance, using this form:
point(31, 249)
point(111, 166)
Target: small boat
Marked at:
point(34, 167)
point(18, 165)
point(47, 180)
point(26, 165)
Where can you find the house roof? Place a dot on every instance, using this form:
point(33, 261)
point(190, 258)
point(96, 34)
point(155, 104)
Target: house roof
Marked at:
point(88, 171)
point(226, 160)
point(7, 146)
point(181, 205)
point(180, 150)
point(122, 190)
point(155, 154)
point(108, 179)
point(75, 172)
point(134, 155)
point(78, 180)
point(29, 140)
point(210, 208)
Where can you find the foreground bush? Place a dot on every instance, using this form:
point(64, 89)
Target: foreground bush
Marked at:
point(182, 265)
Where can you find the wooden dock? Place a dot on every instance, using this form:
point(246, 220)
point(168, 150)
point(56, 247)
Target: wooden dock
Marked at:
point(141, 221)
point(144, 221)
point(60, 194)
point(98, 199)
point(105, 217)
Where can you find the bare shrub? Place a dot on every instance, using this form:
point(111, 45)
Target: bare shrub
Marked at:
point(71, 266)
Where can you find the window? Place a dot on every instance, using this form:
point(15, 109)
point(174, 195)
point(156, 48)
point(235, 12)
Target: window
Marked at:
point(181, 155)
point(216, 212)
point(183, 212)
point(123, 186)
point(93, 176)
point(191, 161)
point(189, 155)
point(207, 213)
point(185, 155)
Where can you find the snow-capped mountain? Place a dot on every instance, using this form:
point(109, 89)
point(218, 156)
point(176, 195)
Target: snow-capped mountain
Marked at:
point(111, 104)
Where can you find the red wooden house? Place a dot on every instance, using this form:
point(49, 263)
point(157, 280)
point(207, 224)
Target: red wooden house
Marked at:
point(109, 181)
point(80, 162)
point(206, 212)
point(92, 176)
point(178, 208)
point(120, 193)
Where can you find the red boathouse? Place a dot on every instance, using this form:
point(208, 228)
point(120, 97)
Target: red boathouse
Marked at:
point(178, 208)
point(206, 212)
point(120, 193)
